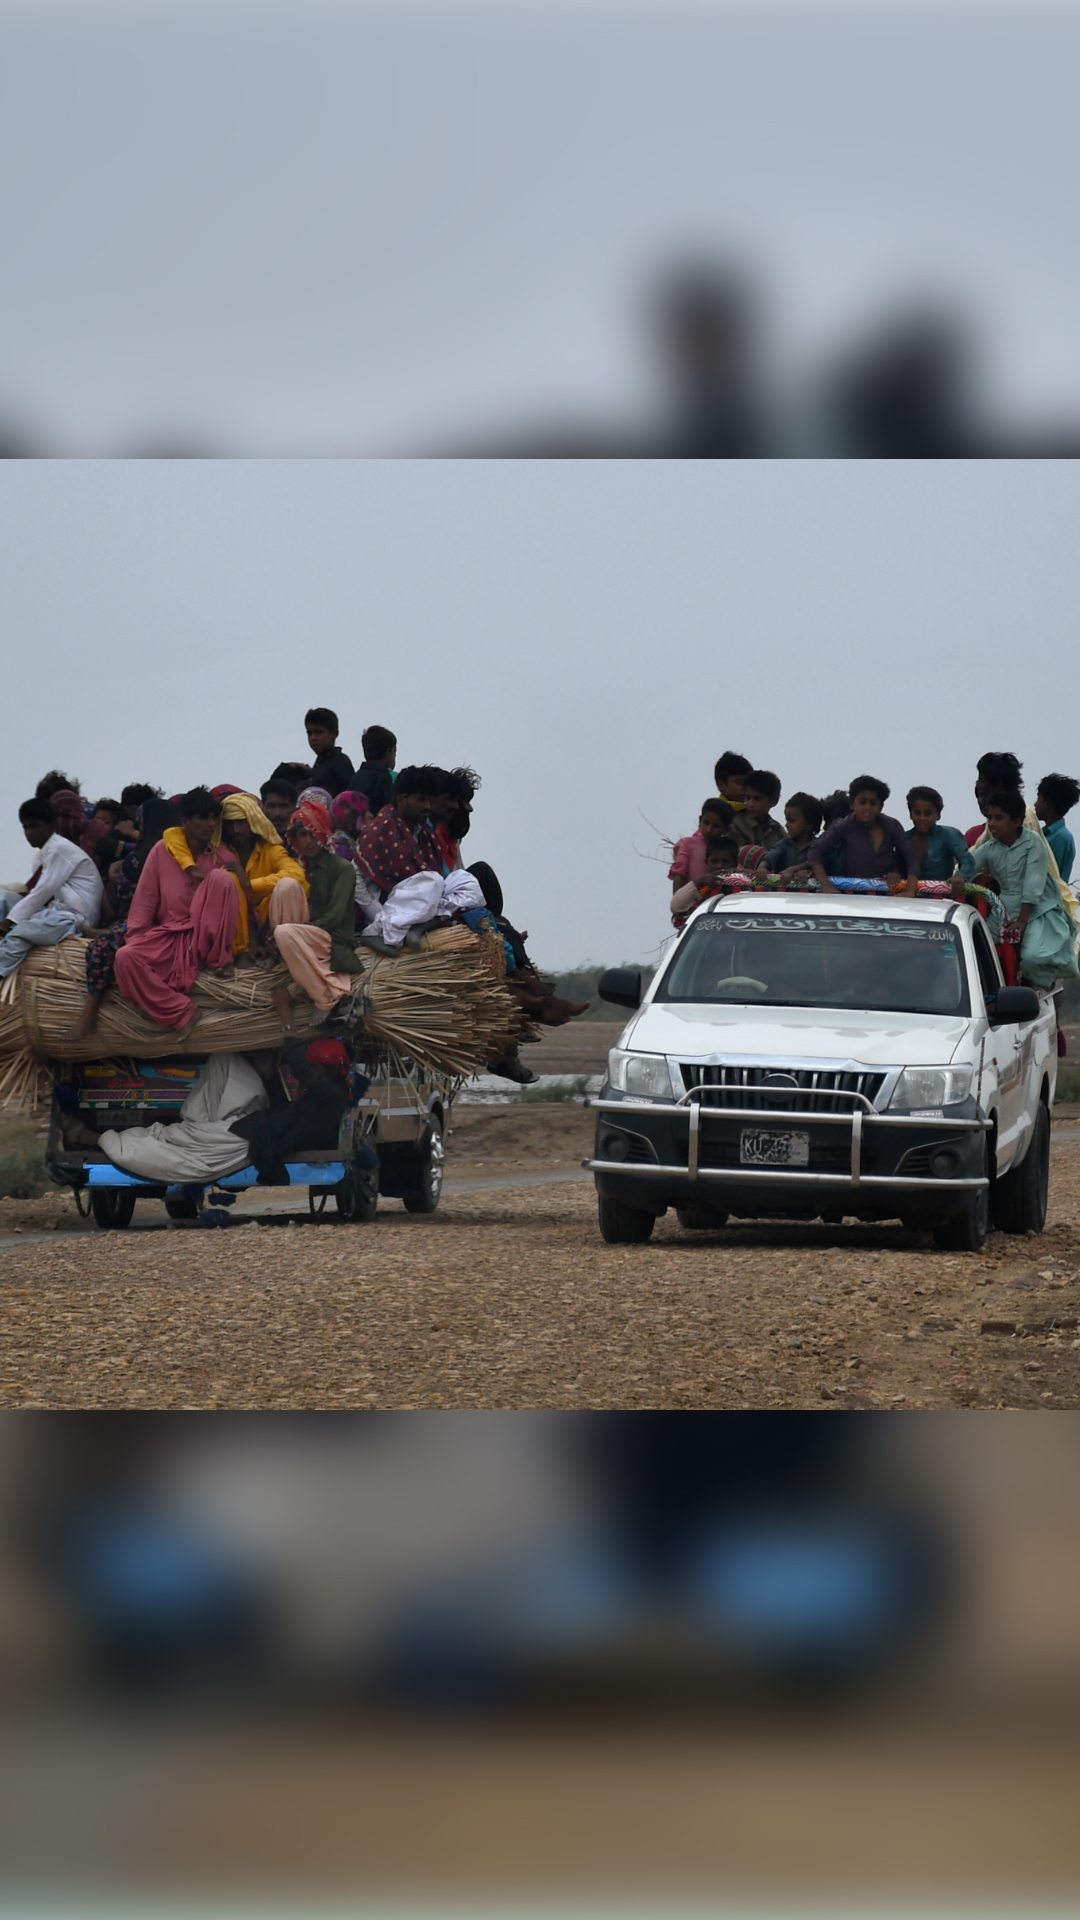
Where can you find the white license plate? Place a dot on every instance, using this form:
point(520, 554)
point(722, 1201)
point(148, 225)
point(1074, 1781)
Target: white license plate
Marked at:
point(765, 1147)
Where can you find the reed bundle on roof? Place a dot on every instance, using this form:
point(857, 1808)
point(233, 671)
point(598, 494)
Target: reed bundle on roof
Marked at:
point(446, 1007)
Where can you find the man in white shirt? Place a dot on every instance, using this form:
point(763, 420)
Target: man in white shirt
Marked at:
point(63, 896)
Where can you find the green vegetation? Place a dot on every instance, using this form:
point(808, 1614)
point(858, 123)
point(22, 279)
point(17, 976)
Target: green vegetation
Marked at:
point(1068, 1083)
point(557, 1090)
point(22, 1162)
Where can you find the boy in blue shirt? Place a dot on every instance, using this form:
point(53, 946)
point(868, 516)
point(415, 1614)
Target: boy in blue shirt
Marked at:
point(1056, 796)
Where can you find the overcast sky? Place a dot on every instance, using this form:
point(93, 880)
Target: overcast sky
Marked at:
point(295, 228)
point(589, 637)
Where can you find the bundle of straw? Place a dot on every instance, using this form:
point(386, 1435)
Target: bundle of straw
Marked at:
point(447, 1008)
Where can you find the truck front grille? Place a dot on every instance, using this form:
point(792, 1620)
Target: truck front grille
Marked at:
point(788, 1089)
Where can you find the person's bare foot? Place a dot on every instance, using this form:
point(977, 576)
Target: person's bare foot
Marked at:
point(556, 1013)
point(75, 1132)
point(83, 1027)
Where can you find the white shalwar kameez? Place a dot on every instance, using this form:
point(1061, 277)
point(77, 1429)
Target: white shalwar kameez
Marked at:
point(199, 1147)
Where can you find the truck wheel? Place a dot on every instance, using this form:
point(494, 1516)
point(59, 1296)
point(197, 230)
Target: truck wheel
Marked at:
point(422, 1196)
point(357, 1196)
point(1021, 1196)
point(698, 1219)
point(181, 1209)
point(965, 1232)
point(112, 1207)
point(621, 1225)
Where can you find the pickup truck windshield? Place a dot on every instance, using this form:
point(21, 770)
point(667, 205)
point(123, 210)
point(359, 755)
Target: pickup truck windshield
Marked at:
point(854, 962)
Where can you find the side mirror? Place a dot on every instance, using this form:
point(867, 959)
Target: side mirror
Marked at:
point(622, 986)
point(1014, 1005)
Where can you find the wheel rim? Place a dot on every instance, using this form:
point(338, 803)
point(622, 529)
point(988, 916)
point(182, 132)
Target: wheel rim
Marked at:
point(436, 1163)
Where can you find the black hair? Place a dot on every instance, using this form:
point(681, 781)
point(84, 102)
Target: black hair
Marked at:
point(463, 783)
point(376, 741)
point(199, 804)
point(111, 806)
point(281, 789)
point(488, 882)
point(322, 717)
point(761, 781)
point(729, 849)
point(420, 780)
point(54, 782)
point(714, 804)
point(1008, 800)
point(1061, 790)
point(1001, 770)
point(809, 807)
point(926, 793)
point(138, 794)
point(868, 783)
point(730, 763)
point(294, 772)
point(835, 806)
point(37, 809)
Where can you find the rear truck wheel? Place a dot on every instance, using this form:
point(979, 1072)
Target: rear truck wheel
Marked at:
point(181, 1209)
point(621, 1225)
point(357, 1196)
point(965, 1232)
point(699, 1219)
point(1021, 1196)
point(422, 1194)
point(112, 1207)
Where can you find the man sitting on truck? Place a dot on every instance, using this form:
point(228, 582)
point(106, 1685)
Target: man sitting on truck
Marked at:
point(63, 895)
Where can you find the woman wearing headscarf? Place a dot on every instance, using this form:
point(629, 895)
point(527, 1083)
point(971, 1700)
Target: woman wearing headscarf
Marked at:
point(71, 820)
point(350, 813)
point(317, 944)
point(154, 817)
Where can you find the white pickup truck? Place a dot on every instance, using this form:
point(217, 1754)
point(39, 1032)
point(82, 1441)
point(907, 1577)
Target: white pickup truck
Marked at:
point(828, 1055)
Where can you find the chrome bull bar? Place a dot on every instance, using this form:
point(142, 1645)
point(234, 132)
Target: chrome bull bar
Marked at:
point(861, 1114)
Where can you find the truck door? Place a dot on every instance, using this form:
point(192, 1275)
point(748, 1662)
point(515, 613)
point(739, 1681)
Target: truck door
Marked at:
point(1003, 1054)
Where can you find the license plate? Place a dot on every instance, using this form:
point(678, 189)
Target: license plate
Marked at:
point(765, 1147)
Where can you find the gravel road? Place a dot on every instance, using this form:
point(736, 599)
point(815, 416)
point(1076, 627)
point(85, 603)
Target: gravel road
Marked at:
point(507, 1297)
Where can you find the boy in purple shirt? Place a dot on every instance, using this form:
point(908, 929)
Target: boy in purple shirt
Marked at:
point(875, 846)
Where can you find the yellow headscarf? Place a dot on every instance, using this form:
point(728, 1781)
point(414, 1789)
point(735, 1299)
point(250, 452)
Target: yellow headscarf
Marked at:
point(244, 806)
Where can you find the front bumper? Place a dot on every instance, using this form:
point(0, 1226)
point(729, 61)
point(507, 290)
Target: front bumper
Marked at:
point(658, 1154)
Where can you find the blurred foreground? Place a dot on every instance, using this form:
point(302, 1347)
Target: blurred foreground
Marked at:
point(716, 231)
point(537, 1656)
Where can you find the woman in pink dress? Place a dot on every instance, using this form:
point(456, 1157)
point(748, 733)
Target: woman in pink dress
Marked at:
point(179, 925)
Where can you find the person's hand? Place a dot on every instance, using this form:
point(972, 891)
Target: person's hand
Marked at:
point(892, 878)
point(959, 886)
point(196, 876)
point(228, 860)
point(6, 926)
point(126, 829)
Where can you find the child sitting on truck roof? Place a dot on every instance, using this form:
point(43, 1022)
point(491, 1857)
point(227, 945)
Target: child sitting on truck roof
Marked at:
point(791, 855)
point(688, 860)
point(874, 844)
point(721, 857)
point(729, 773)
point(755, 826)
point(1057, 794)
point(941, 851)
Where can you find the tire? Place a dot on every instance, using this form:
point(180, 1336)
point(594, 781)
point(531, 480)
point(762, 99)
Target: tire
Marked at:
point(966, 1231)
point(1021, 1196)
point(699, 1219)
point(181, 1209)
point(112, 1207)
point(357, 1196)
point(422, 1196)
point(621, 1225)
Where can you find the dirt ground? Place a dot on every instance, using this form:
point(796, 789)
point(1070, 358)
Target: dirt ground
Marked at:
point(507, 1297)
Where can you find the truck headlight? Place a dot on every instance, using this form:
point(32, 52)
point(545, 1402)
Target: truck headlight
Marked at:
point(931, 1087)
point(645, 1075)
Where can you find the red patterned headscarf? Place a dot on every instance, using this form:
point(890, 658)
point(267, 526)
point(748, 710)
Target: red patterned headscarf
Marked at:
point(316, 819)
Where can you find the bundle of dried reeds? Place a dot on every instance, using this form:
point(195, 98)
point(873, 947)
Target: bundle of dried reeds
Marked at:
point(446, 1007)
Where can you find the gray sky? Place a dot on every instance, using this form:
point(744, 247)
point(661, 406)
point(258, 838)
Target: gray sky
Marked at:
point(366, 227)
point(589, 637)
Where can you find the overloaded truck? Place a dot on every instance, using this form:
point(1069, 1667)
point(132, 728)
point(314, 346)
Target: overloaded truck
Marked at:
point(828, 1056)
